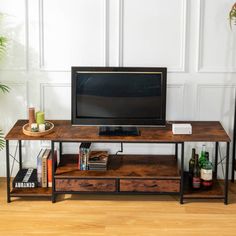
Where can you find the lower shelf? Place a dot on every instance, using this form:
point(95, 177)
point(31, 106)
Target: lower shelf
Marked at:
point(123, 180)
point(157, 174)
point(216, 192)
point(31, 192)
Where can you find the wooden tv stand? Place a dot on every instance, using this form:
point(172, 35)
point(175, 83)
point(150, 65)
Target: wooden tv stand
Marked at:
point(126, 174)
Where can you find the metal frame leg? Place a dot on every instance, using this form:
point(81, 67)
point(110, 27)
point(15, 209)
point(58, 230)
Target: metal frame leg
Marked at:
point(53, 173)
point(60, 149)
point(226, 174)
point(182, 175)
point(233, 142)
point(233, 152)
point(176, 151)
point(216, 159)
point(20, 154)
point(8, 171)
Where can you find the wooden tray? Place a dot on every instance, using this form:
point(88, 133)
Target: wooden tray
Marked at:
point(27, 131)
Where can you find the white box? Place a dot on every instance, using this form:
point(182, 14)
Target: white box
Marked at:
point(182, 128)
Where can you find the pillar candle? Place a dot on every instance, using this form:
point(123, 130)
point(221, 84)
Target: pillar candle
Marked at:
point(31, 114)
point(40, 117)
point(41, 127)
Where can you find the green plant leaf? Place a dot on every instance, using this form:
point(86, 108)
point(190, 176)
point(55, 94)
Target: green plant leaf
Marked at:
point(4, 88)
point(232, 15)
point(2, 140)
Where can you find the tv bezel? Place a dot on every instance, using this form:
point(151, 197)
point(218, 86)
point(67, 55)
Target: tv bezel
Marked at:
point(139, 122)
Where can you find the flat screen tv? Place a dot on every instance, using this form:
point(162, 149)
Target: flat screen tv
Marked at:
point(118, 99)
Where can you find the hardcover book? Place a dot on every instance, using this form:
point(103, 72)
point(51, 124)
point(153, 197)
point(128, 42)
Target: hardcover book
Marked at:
point(39, 166)
point(45, 168)
point(84, 151)
point(49, 165)
point(26, 178)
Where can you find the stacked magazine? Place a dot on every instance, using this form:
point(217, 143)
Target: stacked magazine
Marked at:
point(98, 160)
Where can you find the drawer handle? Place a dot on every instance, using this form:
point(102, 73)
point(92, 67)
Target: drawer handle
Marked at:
point(150, 186)
point(86, 185)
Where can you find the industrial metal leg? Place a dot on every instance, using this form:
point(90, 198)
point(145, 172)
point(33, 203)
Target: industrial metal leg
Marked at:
point(216, 159)
point(176, 151)
point(60, 149)
point(8, 171)
point(233, 142)
point(182, 175)
point(226, 174)
point(20, 154)
point(233, 155)
point(53, 172)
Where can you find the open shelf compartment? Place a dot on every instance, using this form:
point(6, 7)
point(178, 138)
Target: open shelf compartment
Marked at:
point(123, 166)
point(31, 192)
point(215, 192)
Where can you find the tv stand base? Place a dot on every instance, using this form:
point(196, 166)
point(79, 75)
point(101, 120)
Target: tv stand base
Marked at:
point(118, 131)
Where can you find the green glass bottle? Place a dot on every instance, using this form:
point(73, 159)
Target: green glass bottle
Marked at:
point(202, 157)
point(191, 164)
point(207, 173)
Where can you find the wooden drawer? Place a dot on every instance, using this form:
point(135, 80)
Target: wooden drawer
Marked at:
point(85, 185)
point(150, 185)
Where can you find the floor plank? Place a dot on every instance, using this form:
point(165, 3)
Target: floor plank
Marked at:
point(98, 215)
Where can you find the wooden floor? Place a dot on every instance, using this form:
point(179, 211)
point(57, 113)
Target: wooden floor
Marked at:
point(117, 215)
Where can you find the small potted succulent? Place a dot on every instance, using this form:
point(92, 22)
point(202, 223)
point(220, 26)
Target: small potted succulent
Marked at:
point(232, 15)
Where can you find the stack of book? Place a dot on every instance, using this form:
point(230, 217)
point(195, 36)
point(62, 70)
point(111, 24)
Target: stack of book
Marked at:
point(84, 151)
point(44, 167)
point(40, 177)
point(98, 160)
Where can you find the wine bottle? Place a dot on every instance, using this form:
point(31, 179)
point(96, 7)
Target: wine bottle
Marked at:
point(196, 182)
point(207, 173)
point(191, 165)
point(202, 157)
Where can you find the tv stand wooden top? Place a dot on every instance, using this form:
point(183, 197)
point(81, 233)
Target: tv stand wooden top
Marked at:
point(202, 131)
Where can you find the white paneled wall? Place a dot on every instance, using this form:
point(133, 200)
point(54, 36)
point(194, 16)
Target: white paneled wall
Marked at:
point(147, 25)
point(217, 44)
point(72, 33)
point(46, 37)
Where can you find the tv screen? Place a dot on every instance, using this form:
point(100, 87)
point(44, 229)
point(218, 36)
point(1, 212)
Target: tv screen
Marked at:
point(118, 96)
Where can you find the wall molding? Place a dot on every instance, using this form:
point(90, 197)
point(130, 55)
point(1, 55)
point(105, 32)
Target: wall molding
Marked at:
point(200, 53)
point(42, 91)
point(183, 92)
point(11, 83)
point(121, 33)
point(200, 36)
point(181, 67)
point(205, 86)
point(106, 32)
point(41, 35)
point(26, 46)
point(42, 66)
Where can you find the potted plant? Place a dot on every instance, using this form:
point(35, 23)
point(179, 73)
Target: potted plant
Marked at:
point(232, 15)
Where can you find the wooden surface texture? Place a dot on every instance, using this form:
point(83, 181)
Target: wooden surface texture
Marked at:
point(86, 185)
point(30, 192)
point(115, 215)
point(205, 131)
point(123, 166)
point(140, 185)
